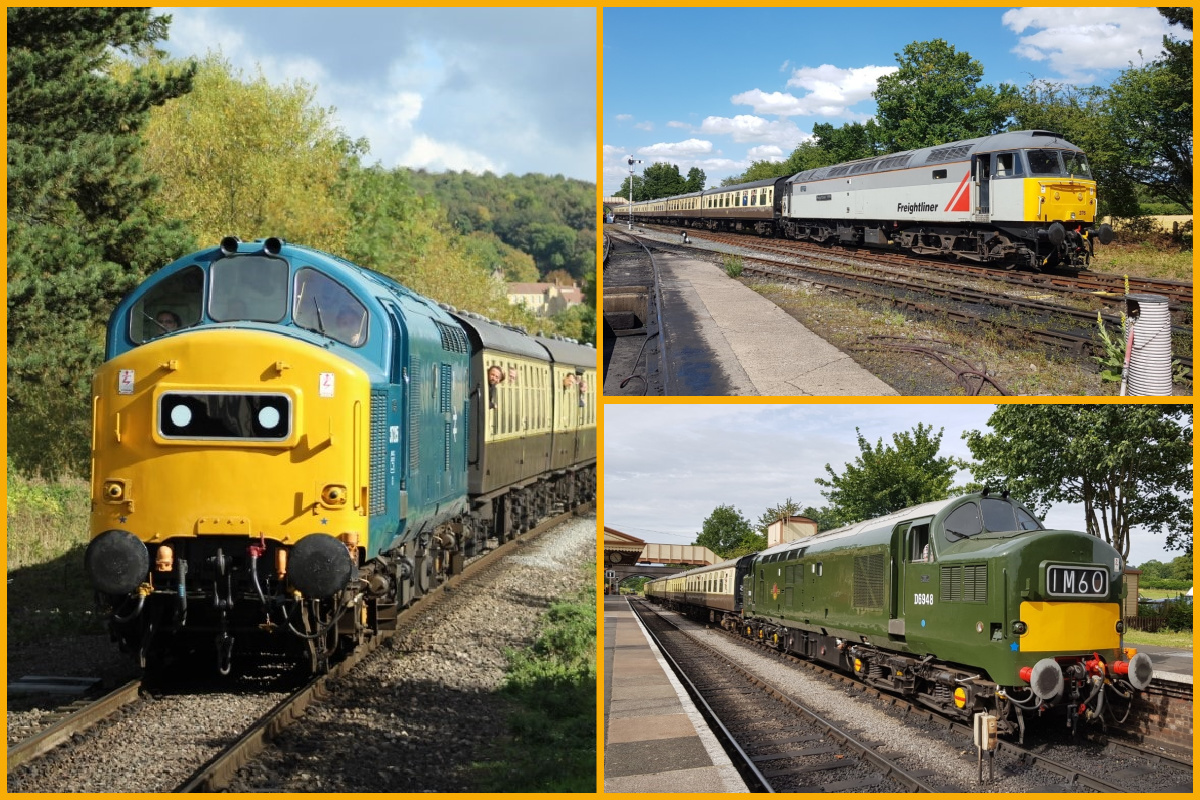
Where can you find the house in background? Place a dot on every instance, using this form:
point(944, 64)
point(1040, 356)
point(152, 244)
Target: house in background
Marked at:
point(544, 299)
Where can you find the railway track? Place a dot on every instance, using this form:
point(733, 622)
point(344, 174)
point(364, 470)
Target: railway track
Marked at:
point(778, 743)
point(1179, 293)
point(636, 361)
point(219, 768)
point(1051, 324)
point(1106, 766)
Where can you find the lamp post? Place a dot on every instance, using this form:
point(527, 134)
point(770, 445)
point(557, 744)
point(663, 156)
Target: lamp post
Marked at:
point(631, 161)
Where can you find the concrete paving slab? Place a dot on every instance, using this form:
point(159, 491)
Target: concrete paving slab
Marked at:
point(723, 338)
point(639, 729)
point(638, 758)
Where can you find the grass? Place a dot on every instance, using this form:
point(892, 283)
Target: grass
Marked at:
point(551, 745)
point(1164, 638)
point(1160, 594)
point(845, 322)
point(1144, 260)
point(48, 592)
point(732, 265)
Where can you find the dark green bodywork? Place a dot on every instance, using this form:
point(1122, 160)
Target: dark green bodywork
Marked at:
point(863, 585)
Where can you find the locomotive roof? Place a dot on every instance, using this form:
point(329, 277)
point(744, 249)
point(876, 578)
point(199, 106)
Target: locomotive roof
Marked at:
point(855, 528)
point(938, 154)
point(492, 336)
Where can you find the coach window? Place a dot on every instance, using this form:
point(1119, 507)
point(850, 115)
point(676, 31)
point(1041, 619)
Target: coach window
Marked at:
point(963, 522)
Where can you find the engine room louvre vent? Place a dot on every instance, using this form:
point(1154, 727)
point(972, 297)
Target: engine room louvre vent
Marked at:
point(951, 584)
point(895, 162)
point(868, 581)
point(948, 153)
point(376, 493)
point(967, 583)
point(975, 583)
point(453, 339)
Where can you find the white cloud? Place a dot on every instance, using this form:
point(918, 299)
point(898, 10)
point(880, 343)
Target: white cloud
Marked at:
point(676, 124)
point(749, 128)
point(1073, 40)
point(644, 126)
point(623, 117)
point(766, 152)
point(689, 147)
point(831, 92)
point(426, 153)
point(786, 63)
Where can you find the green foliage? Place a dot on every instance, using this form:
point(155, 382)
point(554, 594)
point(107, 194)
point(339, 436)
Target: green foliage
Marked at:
point(487, 249)
point(1165, 583)
point(695, 180)
point(887, 478)
point(577, 322)
point(728, 534)
point(788, 508)
point(1112, 363)
point(825, 517)
point(1179, 569)
point(552, 736)
point(1150, 119)
point(936, 97)
point(1127, 464)
point(550, 217)
point(732, 265)
point(84, 225)
point(222, 149)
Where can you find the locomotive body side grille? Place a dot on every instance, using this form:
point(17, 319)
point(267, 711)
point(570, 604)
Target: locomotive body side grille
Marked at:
point(376, 494)
point(868, 581)
point(414, 413)
point(951, 584)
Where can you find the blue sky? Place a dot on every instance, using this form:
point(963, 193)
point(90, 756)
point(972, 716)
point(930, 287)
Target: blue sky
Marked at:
point(731, 86)
point(666, 467)
point(453, 88)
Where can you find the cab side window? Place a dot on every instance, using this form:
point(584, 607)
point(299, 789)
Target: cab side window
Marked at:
point(919, 551)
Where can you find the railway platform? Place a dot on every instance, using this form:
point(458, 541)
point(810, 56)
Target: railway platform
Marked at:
point(725, 339)
point(654, 738)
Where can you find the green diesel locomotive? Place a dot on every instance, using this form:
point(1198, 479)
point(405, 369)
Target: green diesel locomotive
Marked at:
point(966, 605)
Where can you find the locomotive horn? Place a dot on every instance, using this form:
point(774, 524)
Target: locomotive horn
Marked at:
point(229, 245)
point(272, 245)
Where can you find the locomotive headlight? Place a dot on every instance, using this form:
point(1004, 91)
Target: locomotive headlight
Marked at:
point(1020, 628)
point(114, 491)
point(334, 495)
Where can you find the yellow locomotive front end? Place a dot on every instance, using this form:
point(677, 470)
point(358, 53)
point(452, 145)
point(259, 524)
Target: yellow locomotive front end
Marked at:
point(230, 470)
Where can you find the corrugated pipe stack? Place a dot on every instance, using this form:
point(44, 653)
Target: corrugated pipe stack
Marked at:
point(1149, 344)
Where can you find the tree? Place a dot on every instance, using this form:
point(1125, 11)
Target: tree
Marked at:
point(728, 534)
point(695, 180)
point(824, 516)
point(936, 97)
point(242, 156)
point(1127, 464)
point(1150, 116)
point(884, 479)
point(788, 508)
point(84, 225)
point(852, 141)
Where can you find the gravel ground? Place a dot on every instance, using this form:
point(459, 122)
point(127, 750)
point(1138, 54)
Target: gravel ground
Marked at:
point(153, 746)
point(922, 747)
point(414, 716)
point(71, 656)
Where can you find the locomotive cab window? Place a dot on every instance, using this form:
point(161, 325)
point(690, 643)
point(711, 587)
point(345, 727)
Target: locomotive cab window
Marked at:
point(1007, 165)
point(1002, 516)
point(964, 521)
point(169, 305)
point(325, 306)
point(252, 288)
